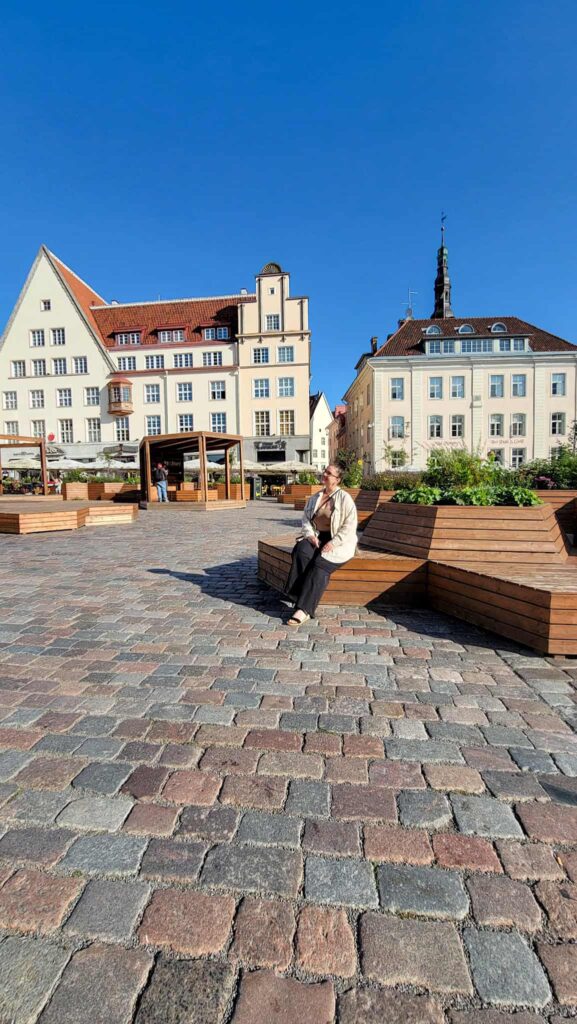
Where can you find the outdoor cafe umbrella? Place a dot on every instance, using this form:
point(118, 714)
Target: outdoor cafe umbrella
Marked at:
point(193, 465)
point(23, 462)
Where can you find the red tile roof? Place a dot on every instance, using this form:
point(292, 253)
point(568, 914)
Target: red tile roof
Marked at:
point(85, 295)
point(191, 315)
point(407, 340)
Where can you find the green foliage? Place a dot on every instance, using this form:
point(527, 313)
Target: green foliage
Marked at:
point(423, 494)
point(558, 471)
point(482, 495)
point(307, 477)
point(391, 481)
point(75, 476)
point(457, 467)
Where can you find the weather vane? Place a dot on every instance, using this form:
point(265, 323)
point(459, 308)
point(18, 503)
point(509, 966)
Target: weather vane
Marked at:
point(443, 219)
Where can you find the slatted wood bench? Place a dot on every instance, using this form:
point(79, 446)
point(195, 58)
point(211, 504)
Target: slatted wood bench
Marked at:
point(42, 515)
point(110, 515)
point(366, 503)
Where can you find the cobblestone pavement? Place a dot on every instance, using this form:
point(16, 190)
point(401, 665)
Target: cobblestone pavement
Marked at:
point(208, 818)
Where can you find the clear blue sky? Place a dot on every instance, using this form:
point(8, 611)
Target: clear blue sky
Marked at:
point(173, 149)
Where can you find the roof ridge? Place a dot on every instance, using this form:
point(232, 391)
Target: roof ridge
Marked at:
point(167, 302)
point(53, 256)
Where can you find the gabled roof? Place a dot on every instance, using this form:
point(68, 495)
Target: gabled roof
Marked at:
point(85, 296)
point(408, 339)
point(313, 402)
point(190, 315)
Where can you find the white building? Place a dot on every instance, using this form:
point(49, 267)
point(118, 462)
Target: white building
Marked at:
point(320, 419)
point(76, 369)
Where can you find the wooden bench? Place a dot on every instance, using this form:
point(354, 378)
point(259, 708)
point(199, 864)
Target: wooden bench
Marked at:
point(42, 515)
point(366, 503)
point(110, 515)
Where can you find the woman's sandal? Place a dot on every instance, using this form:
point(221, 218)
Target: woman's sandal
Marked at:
point(297, 622)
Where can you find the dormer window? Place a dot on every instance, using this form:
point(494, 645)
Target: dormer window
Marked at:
point(167, 337)
point(433, 329)
point(127, 338)
point(466, 329)
point(499, 329)
point(209, 333)
point(221, 333)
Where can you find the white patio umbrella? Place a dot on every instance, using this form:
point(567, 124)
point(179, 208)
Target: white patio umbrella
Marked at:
point(194, 464)
point(23, 462)
point(65, 463)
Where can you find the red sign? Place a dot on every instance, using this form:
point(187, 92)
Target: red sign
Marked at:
point(51, 437)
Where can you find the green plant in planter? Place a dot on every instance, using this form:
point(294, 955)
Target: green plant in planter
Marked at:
point(307, 477)
point(423, 494)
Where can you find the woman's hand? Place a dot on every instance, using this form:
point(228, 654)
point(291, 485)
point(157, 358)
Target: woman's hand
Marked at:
point(328, 547)
point(314, 541)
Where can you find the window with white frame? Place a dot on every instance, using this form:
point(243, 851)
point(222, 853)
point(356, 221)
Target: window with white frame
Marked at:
point(286, 354)
point(496, 425)
point(558, 384)
point(121, 393)
point(152, 425)
point(286, 387)
point(518, 424)
point(122, 428)
point(435, 387)
point(397, 388)
point(80, 364)
point(154, 362)
point(128, 338)
point(165, 337)
point(217, 390)
point(37, 399)
point(434, 348)
point(38, 367)
point(37, 339)
point(45, 305)
point(182, 360)
point(433, 329)
point(466, 329)
point(435, 426)
point(457, 426)
point(518, 344)
point(262, 423)
point(209, 333)
point(93, 433)
point(286, 423)
point(218, 422)
point(18, 368)
point(396, 426)
point(63, 397)
point(92, 396)
point(221, 333)
point(151, 393)
point(59, 367)
point(126, 363)
point(38, 428)
point(448, 347)
point(476, 345)
point(519, 385)
point(10, 400)
point(66, 431)
point(504, 344)
point(272, 322)
point(58, 336)
point(498, 328)
point(261, 387)
point(11, 427)
point(185, 422)
point(398, 459)
point(260, 355)
point(496, 385)
point(457, 387)
point(518, 457)
point(184, 391)
point(558, 423)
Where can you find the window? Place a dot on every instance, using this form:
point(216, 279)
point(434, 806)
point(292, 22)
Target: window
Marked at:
point(457, 426)
point(10, 400)
point(504, 345)
point(80, 364)
point(170, 336)
point(272, 321)
point(63, 397)
point(221, 333)
point(126, 363)
point(212, 358)
point(58, 336)
point(286, 387)
point(466, 329)
point(36, 399)
point(518, 424)
point(183, 360)
point(435, 387)
point(272, 291)
point(457, 387)
point(496, 385)
point(38, 367)
point(38, 428)
point(496, 425)
point(185, 422)
point(286, 423)
point(498, 455)
point(154, 362)
point(435, 426)
point(37, 339)
point(260, 355)
point(397, 387)
point(217, 391)
point(397, 426)
point(286, 354)
point(152, 425)
point(517, 457)
point(315, 453)
point(469, 345)
point(261, 388)
point(11, 427)
point(184, 392)
point(434, 348)
point(558, 423)
point(45, 305)
point(93, 429)
point(519, 385)
point(448, 347)
point(17, 368)
point(128, 338)
point(66, 432)
point(262, 424)
point(59, 367)
point(558, 385)
point(433, 329)
point(518, 344)
point(91, 396)
point(122, 428)
point(151, 393)
point(209, 333)
point(121, 393)
point(398, 460)
point(498, 329)
point(218, 422)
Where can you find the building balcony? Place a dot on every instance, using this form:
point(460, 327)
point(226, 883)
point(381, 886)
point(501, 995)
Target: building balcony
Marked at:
point(121, 408)
point(120, 397)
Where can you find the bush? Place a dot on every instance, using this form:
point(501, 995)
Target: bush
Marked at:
point(391, 481)
point(457, 467)
point(353, 475)
point(307, 477)
point(423, 494)
point(558, 471)
point(482, 494)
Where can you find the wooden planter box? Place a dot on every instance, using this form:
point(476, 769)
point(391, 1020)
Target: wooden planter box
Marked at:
point(564, 503)
point(234, 491)
point(297, 491)
point(212, 495)
point(96, 492)
point(460, 534)
point(75, 491)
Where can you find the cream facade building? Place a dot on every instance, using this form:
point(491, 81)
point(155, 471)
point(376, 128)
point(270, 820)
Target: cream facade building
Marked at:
point(78, 370)
point(320, 420)
point(490, 384)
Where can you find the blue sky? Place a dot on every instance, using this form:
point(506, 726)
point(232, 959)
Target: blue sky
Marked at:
point(172, 150)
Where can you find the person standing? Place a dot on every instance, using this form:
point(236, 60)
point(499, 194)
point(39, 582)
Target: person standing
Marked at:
point(328, 540)
point(160, 478)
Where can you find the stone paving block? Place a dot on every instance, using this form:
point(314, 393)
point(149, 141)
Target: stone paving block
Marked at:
point(12, 762)
point(505, 971)
point(423, 953)
point(397, 845)
point(337, 837)
point(450, 778)
point(485, 816)
point(291, 765)
point(215, 823)
point(191, 991)
point(260, 828)
point(378, 1006)
point(424, 809)
point(422, 891)
point(117, 975)
point(230, 760)
point(57, 743)
point(549, 823)
point(568, 859)
point(263, 933)
point(7, 791)
point(37, 806)
point(567, 763)
point(560, 902)
point(100, 748)
point(561, 965)
point(396, 775)
point(495, 1017)
point(423, 751)
point(192, 787)
point(346, 883)
point(469, 852)
point(105, 854)
point(264, 792)
point(34, 902)
point(253, 869)
point(151, 819)
point(363, 803)
point(167, 859)
point(530, 861)
point(187, 922)
point(264, 998)
point(347, 769)
point(105, 779)
point(36, 845)
point(503, 903)
point(532, 760)
point(145, 783)
point(514, 786)
point(308, 799)
point(96, 813)
point(49, 773)
point(29, 970)
point(325, 942)
point(108, 910)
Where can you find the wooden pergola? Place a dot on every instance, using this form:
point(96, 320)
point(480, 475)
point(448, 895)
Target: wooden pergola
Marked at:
point(171, 448)
point(18, 441)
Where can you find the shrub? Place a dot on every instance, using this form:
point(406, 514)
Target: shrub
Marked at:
point(391, 480)
point(457, 467)
point(423, 494)
point(482, 494)
point(353, 476)
point(307, 477)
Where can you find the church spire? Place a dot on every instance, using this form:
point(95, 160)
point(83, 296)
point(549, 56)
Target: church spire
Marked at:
point(442, 308)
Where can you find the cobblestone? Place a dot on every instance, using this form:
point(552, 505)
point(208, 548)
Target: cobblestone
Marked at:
point(264, 998)
point(422, 891)
point(30, 968)
point(263, 933)
point(340, 882)
point(505, 970)
point(99, 985)
point(194, 991)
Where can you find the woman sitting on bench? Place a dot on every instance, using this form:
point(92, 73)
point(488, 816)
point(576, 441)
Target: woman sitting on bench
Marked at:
point(328, 540)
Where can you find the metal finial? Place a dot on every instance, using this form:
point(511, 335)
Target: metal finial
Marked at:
point(443, 219)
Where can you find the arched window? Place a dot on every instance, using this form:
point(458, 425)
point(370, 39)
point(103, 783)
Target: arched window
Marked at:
point(433, 329)
point(466, 329)
point(499, 329)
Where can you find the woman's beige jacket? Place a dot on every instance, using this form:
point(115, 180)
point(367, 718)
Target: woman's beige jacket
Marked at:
point(343, 525)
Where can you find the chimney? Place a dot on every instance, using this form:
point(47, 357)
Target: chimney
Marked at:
point(374, 345)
